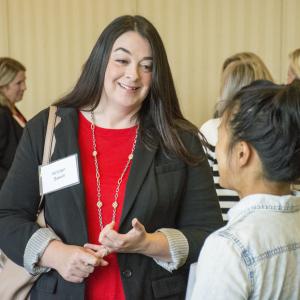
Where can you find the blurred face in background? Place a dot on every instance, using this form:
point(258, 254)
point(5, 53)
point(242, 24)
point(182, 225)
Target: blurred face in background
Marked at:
point(291, 75)
point(15, 89)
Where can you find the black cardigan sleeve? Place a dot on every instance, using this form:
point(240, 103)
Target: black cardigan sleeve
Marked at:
point(4, 130)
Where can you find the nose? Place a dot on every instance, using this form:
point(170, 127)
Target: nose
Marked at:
point(132, 72)
point(24, 87)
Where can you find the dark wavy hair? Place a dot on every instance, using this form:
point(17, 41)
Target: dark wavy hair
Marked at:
point(161, 106)
point(267, 116)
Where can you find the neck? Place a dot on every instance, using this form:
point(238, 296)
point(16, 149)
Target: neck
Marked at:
point(11, 106)
point(113, 118)
point(5, 102)
point(265, 187)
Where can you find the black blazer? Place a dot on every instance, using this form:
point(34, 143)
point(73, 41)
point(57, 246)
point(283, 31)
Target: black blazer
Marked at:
point(160, 192)
point(10, 135)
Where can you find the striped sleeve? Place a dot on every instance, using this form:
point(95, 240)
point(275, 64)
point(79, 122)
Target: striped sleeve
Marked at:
point(179, 249)
point(227, 198)
point(35, 248)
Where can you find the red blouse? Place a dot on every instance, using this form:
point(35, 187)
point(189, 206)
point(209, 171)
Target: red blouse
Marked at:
point(113, 147)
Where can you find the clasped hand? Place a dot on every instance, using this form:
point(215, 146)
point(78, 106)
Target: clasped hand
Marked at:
point(75, 263)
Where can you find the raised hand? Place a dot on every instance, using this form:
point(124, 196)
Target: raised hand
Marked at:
point(133, 241)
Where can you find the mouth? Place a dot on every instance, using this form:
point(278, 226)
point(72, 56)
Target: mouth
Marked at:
point(128, 87)
point(20, 96)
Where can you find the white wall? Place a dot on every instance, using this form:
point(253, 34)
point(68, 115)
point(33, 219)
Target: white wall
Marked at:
point(54, 37)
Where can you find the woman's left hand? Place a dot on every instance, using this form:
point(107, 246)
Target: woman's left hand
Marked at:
point(134, 240)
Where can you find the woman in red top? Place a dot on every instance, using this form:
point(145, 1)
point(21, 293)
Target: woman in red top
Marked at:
point(145, 201)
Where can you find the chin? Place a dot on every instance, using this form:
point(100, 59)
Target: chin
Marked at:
point(223, 184)
point(131, 103)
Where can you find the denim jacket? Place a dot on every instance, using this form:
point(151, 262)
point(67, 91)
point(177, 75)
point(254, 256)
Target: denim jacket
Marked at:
point(256, 255)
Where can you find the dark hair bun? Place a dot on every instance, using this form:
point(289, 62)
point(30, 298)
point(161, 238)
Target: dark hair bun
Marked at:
point(268, 118)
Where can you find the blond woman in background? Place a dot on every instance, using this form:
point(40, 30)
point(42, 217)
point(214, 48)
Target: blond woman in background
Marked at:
point(294, 66)
point(12, 122)
point(238, 71)
point(244, 56)
point(261, 71)
point(12, 87)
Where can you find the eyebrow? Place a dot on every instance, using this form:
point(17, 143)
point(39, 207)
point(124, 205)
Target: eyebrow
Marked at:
point(127, 51)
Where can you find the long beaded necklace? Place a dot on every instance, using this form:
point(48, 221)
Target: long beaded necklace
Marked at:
point(97, 173)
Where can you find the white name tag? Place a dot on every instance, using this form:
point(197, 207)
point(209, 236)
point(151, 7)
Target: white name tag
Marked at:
point(59, 174)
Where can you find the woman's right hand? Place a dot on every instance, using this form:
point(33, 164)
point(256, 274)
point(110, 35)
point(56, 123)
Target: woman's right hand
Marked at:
point(73, 263)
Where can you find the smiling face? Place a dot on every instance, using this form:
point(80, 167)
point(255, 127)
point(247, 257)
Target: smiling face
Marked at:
point(128, 74)
point(15, 89)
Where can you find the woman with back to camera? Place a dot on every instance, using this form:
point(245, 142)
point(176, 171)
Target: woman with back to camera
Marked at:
point(239, 70)
point(257, 254)
point(294, 73)
point(146, 192)
point(12, 122)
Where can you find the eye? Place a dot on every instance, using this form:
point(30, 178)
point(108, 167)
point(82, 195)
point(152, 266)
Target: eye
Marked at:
point(122, 61)
point(147, 68)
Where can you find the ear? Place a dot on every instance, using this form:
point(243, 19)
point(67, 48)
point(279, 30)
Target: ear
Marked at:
point(244, 153)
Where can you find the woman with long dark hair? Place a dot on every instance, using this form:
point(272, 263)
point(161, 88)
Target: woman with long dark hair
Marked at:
point(145, 201)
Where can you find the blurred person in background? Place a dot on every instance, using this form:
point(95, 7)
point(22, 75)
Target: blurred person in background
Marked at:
point(12, 122)
point(238, 71)
point(244, 56)
point(294, 66)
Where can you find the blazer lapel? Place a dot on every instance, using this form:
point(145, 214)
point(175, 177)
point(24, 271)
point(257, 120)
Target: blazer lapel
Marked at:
point(141, 163)
point(66, 135)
